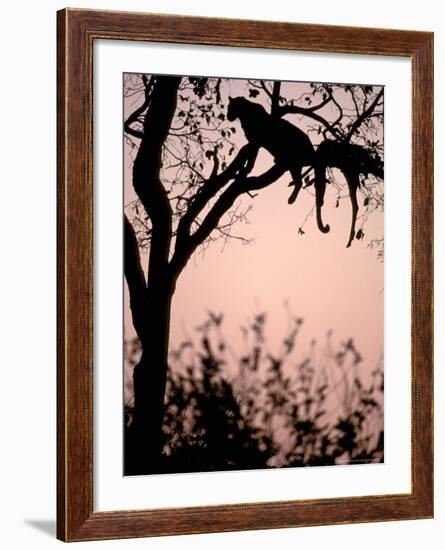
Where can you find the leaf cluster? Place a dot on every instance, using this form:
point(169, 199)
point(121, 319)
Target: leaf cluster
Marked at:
point(264, 410)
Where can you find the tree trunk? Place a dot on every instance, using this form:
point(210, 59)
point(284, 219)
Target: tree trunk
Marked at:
point(144, 439)
point(151, 303)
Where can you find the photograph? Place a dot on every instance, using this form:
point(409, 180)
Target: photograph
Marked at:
point(253, 284)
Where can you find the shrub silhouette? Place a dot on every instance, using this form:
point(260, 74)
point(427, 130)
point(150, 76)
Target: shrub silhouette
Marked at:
point(224, 412)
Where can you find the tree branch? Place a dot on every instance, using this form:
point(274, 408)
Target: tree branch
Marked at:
point(132, 132)
point(294, 109)
point(227, 199)
point(135, 115)
point(265, 88)
point(134, 276)
point(275, 98)
point(356, 124)
point(319, 106)
point(241, 185)
point(208, 191)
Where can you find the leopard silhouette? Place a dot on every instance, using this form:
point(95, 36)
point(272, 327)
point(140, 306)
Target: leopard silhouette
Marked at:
point(290, 146)
point(353, 160)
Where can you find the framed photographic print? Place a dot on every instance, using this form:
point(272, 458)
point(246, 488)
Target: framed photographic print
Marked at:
point(245, 228)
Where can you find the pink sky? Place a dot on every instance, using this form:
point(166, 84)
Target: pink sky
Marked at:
point(332, 287)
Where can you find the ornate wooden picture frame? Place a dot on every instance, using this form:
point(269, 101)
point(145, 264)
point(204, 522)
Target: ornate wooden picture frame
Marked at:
point(76, 517)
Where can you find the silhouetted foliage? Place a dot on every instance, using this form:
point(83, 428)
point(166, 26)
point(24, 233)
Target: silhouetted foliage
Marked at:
point(259, 410)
